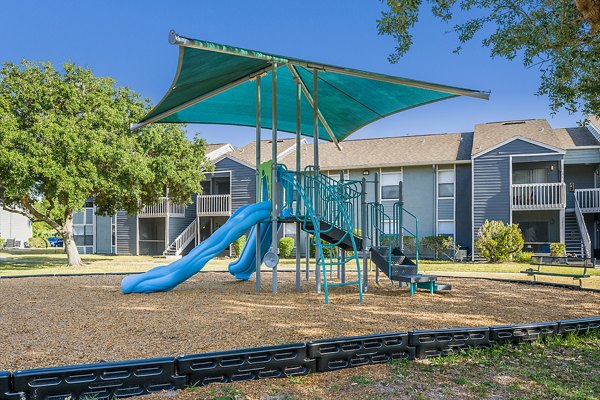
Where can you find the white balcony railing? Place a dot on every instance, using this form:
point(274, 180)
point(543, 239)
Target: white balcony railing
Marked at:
point(213, 205)
point(588, 199)
point(161, 209)
point(538, 196)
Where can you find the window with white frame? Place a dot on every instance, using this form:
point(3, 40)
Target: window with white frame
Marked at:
point(83, 230)
point(445, 201)
point(336, 175)
point(390, 188)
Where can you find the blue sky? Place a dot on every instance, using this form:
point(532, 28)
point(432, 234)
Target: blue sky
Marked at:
point(128, 41)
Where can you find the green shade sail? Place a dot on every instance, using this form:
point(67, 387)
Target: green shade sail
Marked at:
point(215, 84)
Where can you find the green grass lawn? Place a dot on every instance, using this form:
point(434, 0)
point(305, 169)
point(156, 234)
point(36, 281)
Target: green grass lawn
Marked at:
point(53, 261)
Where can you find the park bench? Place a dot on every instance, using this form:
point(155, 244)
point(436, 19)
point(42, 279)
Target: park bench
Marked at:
point(582, 264)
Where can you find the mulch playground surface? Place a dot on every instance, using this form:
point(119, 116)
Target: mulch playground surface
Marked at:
point(54, 321)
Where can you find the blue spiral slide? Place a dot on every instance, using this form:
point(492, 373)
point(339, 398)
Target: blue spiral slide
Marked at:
point(165, 278)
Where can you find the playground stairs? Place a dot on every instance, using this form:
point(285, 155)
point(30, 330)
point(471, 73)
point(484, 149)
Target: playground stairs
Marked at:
point(392, 262)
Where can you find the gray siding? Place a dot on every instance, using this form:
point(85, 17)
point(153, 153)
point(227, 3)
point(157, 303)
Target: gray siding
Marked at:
point(462, 220)
point(103, 234)
point(517, 146)
point(491, 180)
point(178, 224)
point(419, 197)
point(581, 176)
point(582, 156)
point(491, 192)
point(243, 182)
point(126, 233)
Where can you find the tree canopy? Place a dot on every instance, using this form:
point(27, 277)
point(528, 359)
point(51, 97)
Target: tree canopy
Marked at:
point(561, 38)
point(65, 138)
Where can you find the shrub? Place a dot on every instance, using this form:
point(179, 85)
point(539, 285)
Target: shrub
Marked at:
point(523, 257)
point(238, 245)
point(438, 244)
point(497, 242)
point(326, 249)
point(557, 249)
point(38, 243)
point(286, 247)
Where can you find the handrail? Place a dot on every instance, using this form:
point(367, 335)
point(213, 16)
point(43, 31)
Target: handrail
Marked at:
point(331, 206)
point(585, 236)
point(588, 199)
point(183, 239)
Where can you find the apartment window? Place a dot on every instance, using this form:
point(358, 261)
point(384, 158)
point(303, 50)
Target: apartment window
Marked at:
point(390, 188)
point(534, 175)
point(446, 183)
point(83, 229)
point(445, 201)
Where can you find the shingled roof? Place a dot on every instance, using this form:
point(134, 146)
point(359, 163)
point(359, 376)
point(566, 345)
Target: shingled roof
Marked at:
point(446, 148)
point(491, 134)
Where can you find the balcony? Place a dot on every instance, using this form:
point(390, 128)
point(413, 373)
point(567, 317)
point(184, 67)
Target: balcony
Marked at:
point(538, 196)
point(214, 205)
point(588, 199)
point(162, 208)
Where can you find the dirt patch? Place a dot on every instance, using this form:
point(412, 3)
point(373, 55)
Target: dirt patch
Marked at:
point(61, 321)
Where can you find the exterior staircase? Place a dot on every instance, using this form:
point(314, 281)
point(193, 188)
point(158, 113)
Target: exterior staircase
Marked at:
point(573, 240)
point(182, 241)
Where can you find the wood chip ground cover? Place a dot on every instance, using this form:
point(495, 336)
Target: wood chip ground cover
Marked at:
point(75, 320)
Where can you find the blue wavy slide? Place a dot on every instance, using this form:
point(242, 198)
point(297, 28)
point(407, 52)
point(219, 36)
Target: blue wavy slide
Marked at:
point(165, 278)
point(245, 265)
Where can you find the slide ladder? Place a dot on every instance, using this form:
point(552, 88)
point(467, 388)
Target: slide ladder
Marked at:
point(328, 211)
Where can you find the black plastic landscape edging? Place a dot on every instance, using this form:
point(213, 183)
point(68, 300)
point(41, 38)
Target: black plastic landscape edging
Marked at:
point(132, 378)
point(523, 282)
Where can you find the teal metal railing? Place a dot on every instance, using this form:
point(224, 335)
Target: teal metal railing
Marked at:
point(314, 198)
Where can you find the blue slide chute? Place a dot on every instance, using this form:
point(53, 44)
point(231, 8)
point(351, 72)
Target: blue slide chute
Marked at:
point(165, 278)
point(245, 265)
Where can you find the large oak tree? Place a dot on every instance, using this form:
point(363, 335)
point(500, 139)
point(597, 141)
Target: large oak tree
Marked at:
point(65, 138)
point(560, 37)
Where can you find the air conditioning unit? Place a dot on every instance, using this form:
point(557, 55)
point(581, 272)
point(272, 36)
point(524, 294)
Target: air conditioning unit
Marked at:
point(461, 255)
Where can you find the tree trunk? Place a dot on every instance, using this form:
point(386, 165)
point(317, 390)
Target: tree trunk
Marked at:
point(73, 257)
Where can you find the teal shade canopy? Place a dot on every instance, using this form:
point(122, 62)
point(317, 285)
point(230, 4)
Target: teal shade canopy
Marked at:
point(216, 84)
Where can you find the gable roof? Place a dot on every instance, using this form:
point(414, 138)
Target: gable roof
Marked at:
point(247, 154)
point(489, 135)
point(216, 150)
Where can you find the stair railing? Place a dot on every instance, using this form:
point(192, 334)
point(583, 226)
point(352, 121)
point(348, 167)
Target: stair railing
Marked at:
point(585, 236)
point(331, 207)
point(183, 239)
point(400, 216)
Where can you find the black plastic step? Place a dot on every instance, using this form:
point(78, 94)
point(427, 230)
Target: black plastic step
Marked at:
point(405, 267)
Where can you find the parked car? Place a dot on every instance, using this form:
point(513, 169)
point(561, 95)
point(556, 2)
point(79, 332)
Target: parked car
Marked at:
point(55, 242)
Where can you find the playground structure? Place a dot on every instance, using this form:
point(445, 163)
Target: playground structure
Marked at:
point(221, 84)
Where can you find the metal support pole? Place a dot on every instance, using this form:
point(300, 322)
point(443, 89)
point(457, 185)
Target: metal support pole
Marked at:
point(307, 259)
point(258, 183)
point(376, 220)
point(341, 266)
point(363, 224)
point(400, 221)
point(275, 183)
point(316, 169)
point(298, 166)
